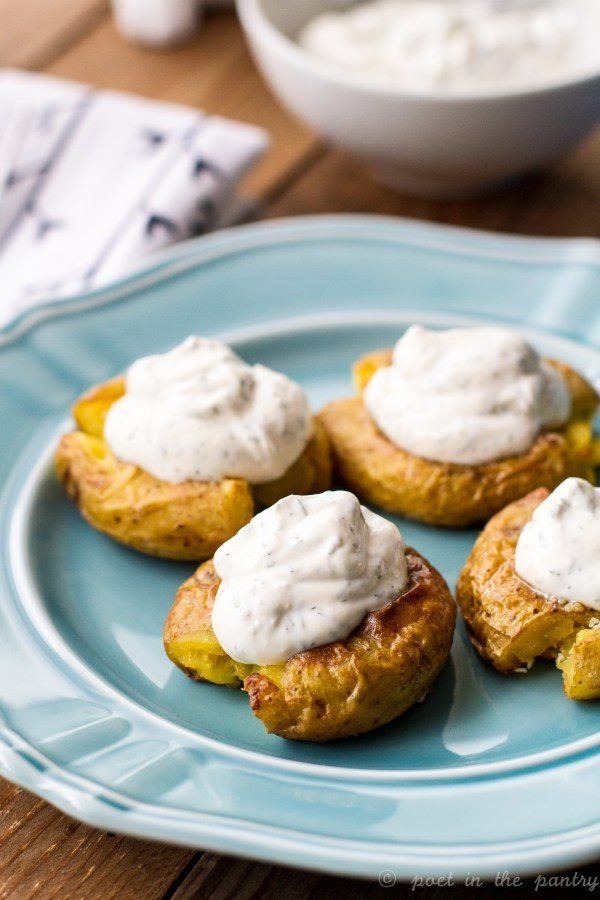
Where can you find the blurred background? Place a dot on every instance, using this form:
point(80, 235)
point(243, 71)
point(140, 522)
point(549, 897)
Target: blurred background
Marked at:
point(210, 68)
point(127, 128)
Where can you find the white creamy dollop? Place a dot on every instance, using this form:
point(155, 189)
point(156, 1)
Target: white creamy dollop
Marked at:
point(449, 44)
point(303, 573)
point(465, 395)
point(558, 551)
point(200, 412)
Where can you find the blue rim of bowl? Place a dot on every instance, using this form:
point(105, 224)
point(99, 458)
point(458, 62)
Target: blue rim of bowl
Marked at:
point(183, 257)
point(90, 802)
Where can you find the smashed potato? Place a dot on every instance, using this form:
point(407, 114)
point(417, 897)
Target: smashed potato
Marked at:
point(510, 623)
point(344, 688)
point(447, 493)
point(186, 521)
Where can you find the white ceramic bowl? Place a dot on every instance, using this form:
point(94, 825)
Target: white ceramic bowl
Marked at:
point(436, 144)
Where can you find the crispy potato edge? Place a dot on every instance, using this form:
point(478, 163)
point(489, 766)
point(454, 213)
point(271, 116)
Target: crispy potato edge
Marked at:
point(188, 521)
point(510, 623)
point(446, 494)
point(388, 663)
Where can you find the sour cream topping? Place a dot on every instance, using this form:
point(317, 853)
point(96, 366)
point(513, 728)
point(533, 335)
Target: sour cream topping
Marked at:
point(199, 412)
point(303, 573)
point(449, 44)
point(558, 551)
point(465, 395)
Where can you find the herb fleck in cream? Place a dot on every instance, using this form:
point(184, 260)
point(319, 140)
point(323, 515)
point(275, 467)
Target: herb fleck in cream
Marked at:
point(558, 551)
point(200, 412)
point(465, 395)
point(302, 574)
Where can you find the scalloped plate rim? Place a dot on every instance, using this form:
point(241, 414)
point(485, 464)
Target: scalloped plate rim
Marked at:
point(188, 254)
point(24, 764)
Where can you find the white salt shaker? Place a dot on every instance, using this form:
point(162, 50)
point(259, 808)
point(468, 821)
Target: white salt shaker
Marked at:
point(157, 23)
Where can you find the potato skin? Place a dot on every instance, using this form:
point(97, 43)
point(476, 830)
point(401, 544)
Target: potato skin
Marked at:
point(186, 521)
point(579, 661)
point(584, 398)
point(310, 474)
point(344, 688)
point(509, 622)
point(189, 641)
point(448, 494)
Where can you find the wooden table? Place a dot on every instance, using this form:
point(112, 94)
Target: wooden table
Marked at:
point(42, 852)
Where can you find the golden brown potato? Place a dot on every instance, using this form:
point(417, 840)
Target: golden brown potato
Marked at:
point(579, 661)
point(310, 474)
point(187, 521)
point(89, 410)
point(388, 663)
point(176, 521)
point(584, 398)
point(446, 493)
point(510, 623)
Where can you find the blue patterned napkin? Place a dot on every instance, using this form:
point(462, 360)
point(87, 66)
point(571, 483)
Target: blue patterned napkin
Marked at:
point(91, 182)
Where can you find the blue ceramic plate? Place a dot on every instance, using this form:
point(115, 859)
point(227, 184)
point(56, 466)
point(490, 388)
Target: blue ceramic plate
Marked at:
point(489, 773)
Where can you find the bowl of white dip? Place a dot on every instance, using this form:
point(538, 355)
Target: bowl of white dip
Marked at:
point(443, 97)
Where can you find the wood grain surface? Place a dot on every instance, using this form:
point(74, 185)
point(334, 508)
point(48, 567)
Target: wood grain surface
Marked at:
point(43, 853)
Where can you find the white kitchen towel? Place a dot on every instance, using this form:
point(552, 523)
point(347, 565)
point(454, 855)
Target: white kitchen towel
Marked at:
point(91, 182)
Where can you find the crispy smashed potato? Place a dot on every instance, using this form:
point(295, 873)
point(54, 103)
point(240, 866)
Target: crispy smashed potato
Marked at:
point(446, 493)
point(176, 521)
point(579, 661)
point(186, 521)
point(510, 623)
point(345, 688)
